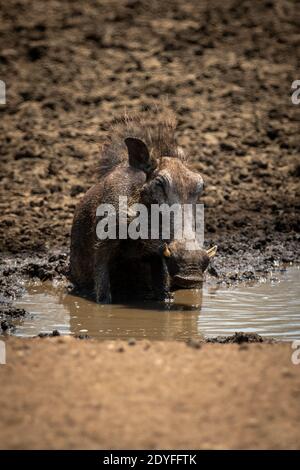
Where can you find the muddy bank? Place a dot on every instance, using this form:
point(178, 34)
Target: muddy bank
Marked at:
point(65, 393)
point(233, 264)
point(19, 271)
point(226, 68)
point(70, 69)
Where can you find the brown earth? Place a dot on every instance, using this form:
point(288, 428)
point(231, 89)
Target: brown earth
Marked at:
point(70, 69)
point(67, 393)
point(227, 69)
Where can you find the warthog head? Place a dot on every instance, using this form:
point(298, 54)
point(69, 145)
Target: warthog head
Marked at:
point(170, 181)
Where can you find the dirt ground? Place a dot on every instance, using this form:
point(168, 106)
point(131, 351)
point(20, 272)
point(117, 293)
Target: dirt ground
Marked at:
point(227, 69)
point(89, 395)
point(70, 69)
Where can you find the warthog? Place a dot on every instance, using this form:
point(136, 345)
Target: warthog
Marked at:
point(142, 161)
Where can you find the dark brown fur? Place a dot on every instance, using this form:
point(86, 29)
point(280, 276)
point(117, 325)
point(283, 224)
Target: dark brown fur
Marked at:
point(156, 128)
point(140, 152)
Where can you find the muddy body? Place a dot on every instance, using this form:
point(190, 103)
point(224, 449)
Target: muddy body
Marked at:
point(142, 162)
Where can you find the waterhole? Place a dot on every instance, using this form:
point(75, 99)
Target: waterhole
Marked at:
point(270, 308)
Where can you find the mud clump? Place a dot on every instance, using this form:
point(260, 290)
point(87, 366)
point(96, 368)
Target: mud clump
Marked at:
point(42, 272)
point(47, 269)
point(239, 338)
point(131, 342)
point(7, 317)
point(194, 343)
point(14, 269)
point(82, 336)
point(53, 334)
point(12, 312)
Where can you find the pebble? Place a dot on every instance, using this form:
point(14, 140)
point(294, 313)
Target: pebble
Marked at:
point(131, 341)
point(194, 343)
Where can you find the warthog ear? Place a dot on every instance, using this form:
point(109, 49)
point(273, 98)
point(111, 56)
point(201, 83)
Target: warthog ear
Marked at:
point(139, 156)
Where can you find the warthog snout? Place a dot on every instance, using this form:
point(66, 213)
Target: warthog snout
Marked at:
point(186, 266)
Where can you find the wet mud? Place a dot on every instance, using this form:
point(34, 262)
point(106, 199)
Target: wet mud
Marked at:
point(226, 70)
point(71, 68)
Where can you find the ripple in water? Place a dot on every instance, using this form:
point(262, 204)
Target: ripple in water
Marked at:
point(268, 308)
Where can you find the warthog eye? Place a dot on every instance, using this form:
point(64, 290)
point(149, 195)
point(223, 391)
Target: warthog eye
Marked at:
point(160, 182)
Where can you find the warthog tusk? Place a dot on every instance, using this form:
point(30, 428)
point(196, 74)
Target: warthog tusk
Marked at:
point(166, 252)
point(212, 251)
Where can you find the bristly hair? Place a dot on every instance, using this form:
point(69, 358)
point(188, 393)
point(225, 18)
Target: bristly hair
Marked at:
point(155, 127)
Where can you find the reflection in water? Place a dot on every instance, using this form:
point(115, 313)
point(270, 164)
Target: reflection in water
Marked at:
point(55, 309)
point(269, 308)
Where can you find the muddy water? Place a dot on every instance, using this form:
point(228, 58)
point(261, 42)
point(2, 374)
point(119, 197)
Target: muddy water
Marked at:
point(270, 308)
